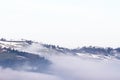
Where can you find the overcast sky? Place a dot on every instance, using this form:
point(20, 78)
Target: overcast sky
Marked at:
point(68, 23)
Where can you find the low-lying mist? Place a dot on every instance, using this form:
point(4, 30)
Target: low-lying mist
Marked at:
point(75, 68)
point(66, 67)
point(9, 74)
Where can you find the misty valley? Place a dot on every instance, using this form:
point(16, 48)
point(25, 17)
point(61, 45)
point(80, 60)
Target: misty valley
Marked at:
point(29, 60)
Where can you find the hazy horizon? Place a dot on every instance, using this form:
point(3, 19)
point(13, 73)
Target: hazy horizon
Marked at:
point(68, 23)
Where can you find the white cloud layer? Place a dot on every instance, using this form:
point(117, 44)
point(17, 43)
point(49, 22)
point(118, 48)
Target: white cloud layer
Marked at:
point(8, 74)
point(69, 68)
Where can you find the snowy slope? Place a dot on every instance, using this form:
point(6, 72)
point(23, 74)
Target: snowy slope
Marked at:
point(33, 47)
point(48, 50)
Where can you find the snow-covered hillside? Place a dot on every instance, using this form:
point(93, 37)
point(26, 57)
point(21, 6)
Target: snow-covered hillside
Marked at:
point(48, 50)
point(25, 58)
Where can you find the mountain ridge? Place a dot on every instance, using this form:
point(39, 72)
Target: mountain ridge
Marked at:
point(48, 49)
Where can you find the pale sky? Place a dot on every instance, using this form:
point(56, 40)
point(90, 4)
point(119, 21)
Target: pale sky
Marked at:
point(68, 23)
